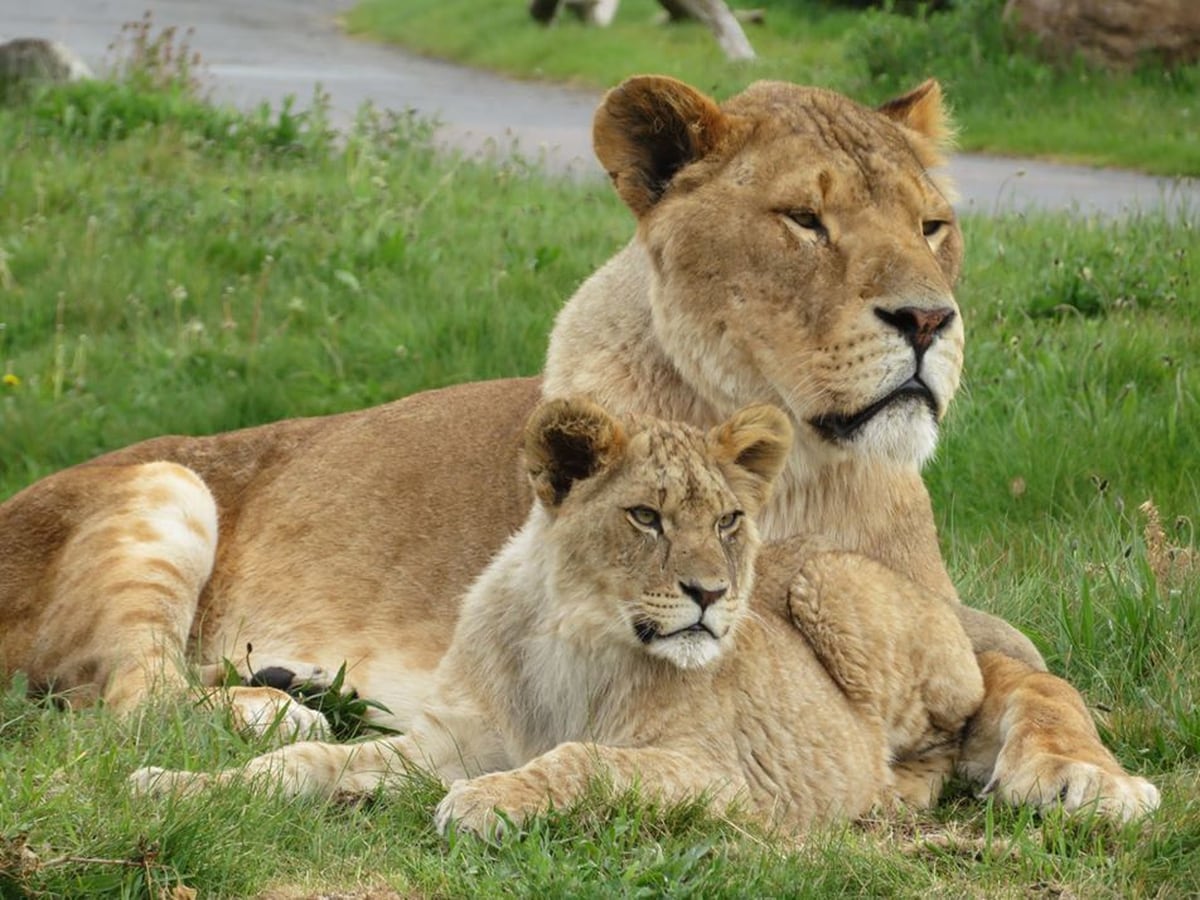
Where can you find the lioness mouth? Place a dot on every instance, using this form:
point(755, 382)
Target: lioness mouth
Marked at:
point(844, 427)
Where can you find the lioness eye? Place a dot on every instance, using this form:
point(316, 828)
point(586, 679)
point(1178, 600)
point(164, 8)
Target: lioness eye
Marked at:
point(729, 520)
point(931, 227)
point(807, 219)
point(644, 517)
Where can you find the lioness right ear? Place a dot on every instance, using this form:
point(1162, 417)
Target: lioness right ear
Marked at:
point(753, 447)
point(924, 111)
point(568, 440)
point(649, 127)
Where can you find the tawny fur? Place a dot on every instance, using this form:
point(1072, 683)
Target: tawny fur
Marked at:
point(784, 240)
point(548, 682)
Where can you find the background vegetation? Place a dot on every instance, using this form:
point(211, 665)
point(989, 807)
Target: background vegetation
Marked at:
point(168, 267)
point(1005, 99)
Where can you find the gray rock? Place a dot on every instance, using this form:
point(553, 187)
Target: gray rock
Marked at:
point(1117, 34)
point(38, 59)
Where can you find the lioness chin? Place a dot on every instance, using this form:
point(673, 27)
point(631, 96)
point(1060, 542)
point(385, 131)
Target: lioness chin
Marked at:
point(619, 634)
point(792, 247)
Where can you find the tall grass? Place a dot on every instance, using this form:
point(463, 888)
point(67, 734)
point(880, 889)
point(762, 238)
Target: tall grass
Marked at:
point(202, 271)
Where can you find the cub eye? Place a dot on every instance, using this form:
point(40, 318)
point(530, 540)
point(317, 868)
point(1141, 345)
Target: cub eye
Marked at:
point(644, 517)
point(807, 219)
point(930, 227)
point(729, 521)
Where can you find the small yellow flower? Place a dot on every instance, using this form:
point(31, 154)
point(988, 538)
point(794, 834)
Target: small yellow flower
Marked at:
point(11, 380)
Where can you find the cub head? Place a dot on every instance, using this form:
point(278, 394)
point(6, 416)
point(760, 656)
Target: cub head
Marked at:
point(803, 251)
point(650, 527)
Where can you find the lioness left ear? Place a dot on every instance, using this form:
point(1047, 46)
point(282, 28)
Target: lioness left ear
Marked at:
point(649, 127)
point(753, 446)
point(566, 441)
point(923, 110)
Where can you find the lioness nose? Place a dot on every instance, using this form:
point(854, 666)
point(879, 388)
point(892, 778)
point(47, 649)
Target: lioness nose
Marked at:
point(920, 326)
point(703, 596)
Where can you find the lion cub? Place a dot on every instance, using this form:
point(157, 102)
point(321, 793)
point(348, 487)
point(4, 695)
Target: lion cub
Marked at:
point(619, 633)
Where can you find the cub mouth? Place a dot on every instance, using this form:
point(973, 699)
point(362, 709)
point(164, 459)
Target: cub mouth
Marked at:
point(647, 632)
point(835, 427)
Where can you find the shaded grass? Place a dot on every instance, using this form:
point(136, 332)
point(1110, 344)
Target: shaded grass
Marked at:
point(1006, 101)
point(178, 275)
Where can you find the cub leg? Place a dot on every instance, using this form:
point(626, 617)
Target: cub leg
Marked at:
point(900, 655)
point(449, 739)
point(559, 777)
point(1034, 742)
point(308, 769)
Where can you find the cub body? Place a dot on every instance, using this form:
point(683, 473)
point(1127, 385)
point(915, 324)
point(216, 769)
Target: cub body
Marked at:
point(626, 632)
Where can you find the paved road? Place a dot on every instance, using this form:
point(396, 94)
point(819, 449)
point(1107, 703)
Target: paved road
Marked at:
point(259, 50)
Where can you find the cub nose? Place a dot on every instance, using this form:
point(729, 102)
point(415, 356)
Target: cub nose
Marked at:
point(918, 325)
point(703, 596)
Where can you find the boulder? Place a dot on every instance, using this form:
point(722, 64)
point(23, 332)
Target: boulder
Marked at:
point(1116, 34)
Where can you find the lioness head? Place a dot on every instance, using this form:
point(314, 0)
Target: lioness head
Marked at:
point(650, 524)
point(802, 252)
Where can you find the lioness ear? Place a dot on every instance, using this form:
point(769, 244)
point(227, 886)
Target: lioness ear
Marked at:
point(753, 447)
point(565, 441)
point(923, 110)
point(649, 127)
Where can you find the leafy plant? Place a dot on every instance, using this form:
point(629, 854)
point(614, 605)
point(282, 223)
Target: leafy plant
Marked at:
point(345, 711)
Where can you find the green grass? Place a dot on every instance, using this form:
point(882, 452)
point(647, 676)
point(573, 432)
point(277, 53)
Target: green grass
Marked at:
point(201, 271)
point(1005, 100)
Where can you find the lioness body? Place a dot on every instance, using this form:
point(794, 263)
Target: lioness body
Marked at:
point(793, 247)
point(626, 632)
point(385, 605)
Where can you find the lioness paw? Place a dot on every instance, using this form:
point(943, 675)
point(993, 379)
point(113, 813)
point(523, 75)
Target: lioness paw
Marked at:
point(265, 711)
point(1047, 780)
point(155, 781)
point(477, 807)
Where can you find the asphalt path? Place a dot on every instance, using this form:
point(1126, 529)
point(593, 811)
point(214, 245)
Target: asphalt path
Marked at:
point(267, 50)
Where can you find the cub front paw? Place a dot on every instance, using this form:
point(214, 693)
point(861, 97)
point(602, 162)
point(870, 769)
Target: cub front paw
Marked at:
point(1046, 780)
point(154, 781)
point(479, 806)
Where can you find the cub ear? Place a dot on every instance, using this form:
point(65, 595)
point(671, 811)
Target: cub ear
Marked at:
point(649, 127)
point(753, 447)
point(923, 110)
point(568, 440)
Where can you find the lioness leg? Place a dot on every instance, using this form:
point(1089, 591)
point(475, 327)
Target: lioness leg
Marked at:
point(991, 633)
point(107, 615)
point(559, 778)
point(1034, 741)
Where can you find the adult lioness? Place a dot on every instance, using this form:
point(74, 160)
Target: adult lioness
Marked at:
point(792, 247)
point(620, 631)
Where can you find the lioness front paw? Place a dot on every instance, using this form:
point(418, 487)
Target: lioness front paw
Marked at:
point(481, 806)
point(1046, 780)
point(264, 711)
point(155, 781)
